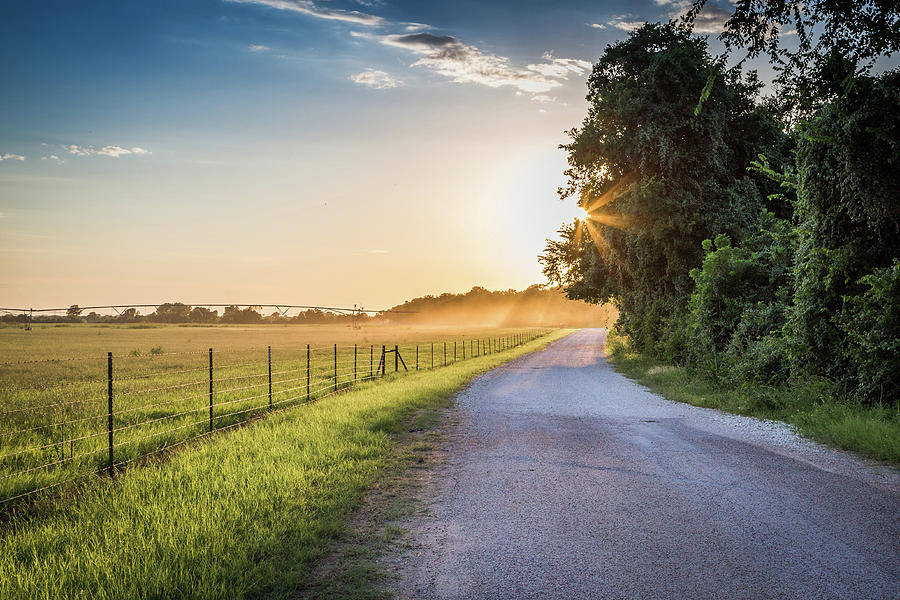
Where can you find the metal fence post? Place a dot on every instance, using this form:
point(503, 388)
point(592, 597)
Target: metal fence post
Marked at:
point(270, 377)
point(354, 363)
point(371, 360)
point(335, 367)
point(432, 355)
point(210, 389)
point(464, 349)
point(396, 359)
point(383, 360)
point(454, 350)
point(109, 422)
point(417, 357)
point(307, 372)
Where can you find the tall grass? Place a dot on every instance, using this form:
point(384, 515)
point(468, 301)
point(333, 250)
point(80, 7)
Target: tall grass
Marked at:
point(811, 406)
point(242, 515)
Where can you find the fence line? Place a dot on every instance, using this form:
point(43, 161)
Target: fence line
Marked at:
point(71, 447)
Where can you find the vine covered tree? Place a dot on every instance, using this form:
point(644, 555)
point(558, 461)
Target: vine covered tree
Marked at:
point(657, 174)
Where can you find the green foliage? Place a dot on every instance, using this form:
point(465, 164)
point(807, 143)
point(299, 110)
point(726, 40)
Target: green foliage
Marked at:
point(739, 306)
point(871, 321)
point(848, 213)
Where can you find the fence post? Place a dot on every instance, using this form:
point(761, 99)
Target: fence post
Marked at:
point(432, 355)
point(109, 422)
point(396, 359)
point(454, 350)
point(417, 357)
point(210, 390)
point(464, 349)
point(383, 360)
point(335, 367)
point(354, 363)
point(307, 372)
point(270, 377)
point(371, 360)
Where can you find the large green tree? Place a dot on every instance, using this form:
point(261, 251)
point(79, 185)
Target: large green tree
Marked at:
point(657, 174)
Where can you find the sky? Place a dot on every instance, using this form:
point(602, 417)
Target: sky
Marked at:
point(289, 151)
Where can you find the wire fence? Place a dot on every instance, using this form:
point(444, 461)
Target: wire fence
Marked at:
point(115, 410)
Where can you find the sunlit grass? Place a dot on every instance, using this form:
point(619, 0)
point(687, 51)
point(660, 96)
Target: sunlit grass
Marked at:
point(240, 515)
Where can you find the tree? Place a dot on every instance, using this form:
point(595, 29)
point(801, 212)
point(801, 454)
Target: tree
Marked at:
point(657, 175)
point(233, 314)
point(837, 41)
point(73, 313)
point(172, 312)
point(203, 315)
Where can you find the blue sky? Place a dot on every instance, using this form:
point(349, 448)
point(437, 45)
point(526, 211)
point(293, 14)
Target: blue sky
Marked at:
point(288, 150)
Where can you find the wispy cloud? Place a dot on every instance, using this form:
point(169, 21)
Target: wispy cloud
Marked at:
point(52, 157)
point(307, 7)
point(410, 27)
point(625, 23)
point(258, 48)
point(376, 79)
point(711, 18)
point(464, 63)
point(113, 151)
point(596, 25)
point(11, 157)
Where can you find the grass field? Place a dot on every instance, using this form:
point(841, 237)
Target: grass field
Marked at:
point(54, 394)
point(809, 406)
point(243, 515)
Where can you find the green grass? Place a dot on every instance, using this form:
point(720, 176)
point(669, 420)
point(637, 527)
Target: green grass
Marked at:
point(53, 387)
point(242, 515)
point(810, 406)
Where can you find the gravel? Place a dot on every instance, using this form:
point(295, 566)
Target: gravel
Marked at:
point(564, 479)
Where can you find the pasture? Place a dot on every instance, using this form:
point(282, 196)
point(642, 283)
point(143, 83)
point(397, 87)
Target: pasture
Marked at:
point(171, 384)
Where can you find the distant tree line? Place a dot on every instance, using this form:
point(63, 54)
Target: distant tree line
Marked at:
point(176, 312)
point(752, 239)
point(534, 306)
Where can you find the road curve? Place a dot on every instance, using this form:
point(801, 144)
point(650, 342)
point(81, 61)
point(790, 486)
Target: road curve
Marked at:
point(565, 479)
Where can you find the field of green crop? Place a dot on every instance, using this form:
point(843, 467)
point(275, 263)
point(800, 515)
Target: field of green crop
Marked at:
point(54, 386)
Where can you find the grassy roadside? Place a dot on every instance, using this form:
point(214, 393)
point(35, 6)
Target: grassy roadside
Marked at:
point(243, 515)
point(810, 406)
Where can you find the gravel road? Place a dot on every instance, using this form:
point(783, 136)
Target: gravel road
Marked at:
point(564, 479)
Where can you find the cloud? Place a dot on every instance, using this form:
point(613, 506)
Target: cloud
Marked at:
point(596, 25)
point(711, 18)
point(258, 48)
point(543, 99)
point(113, 151)
point(11, 157)
point(624, 24)
point(376, 79)
point(307, 7)
point(442, 54)
point(464, 63)
point(52, 157)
